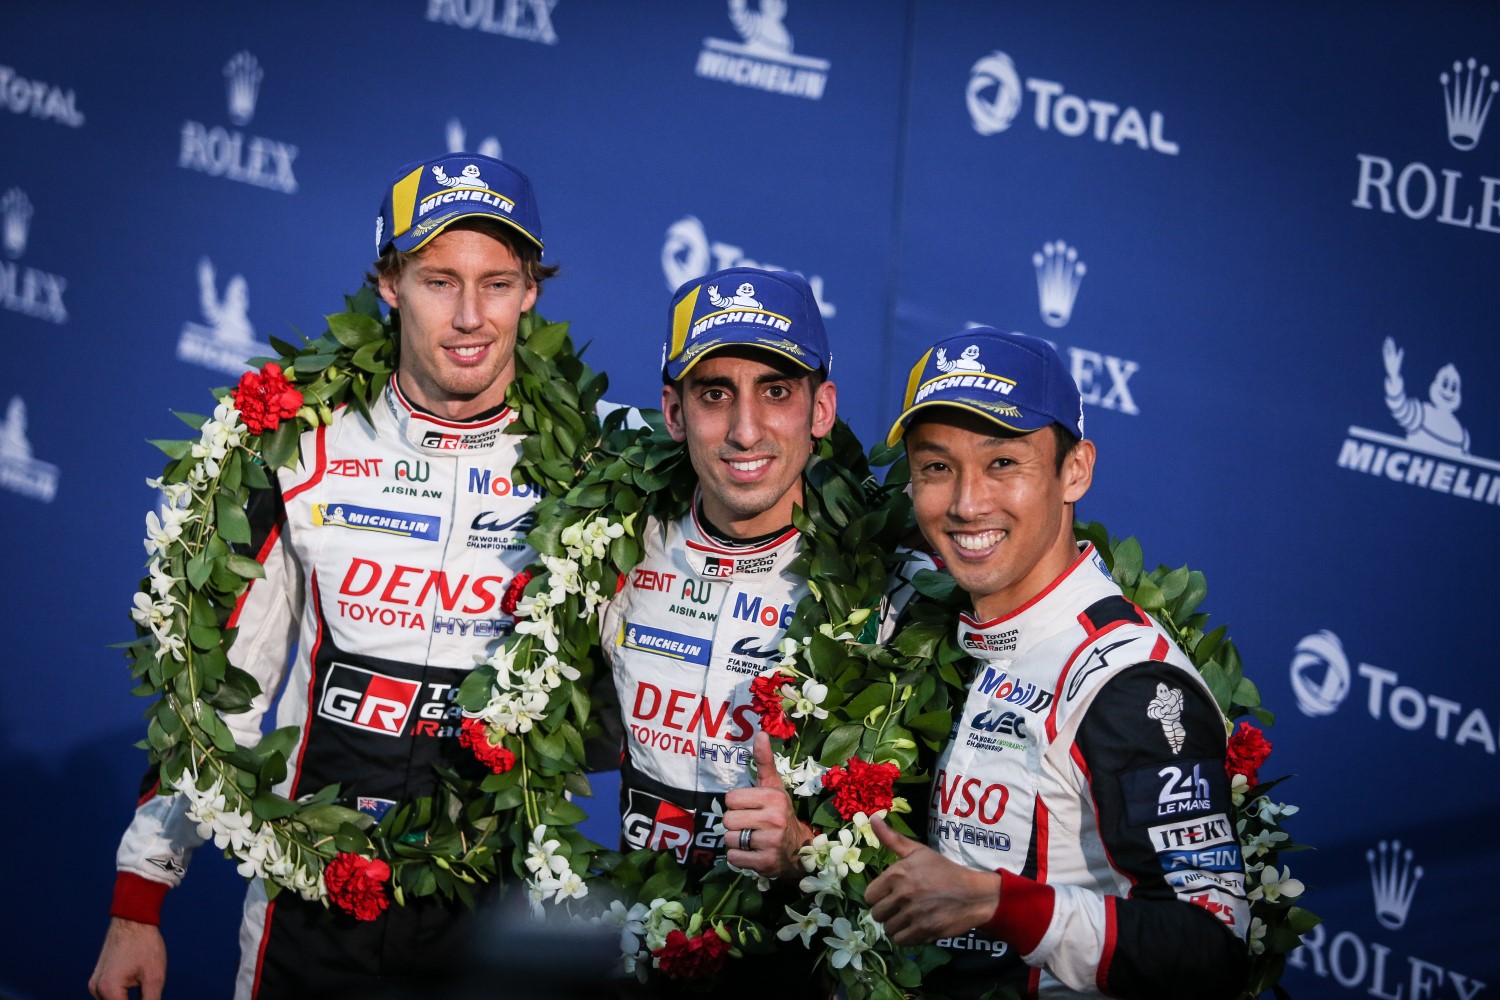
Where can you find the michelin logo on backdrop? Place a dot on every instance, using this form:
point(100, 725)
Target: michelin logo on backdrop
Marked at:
point(229, 153)
point(26, 290)
point(763, 58)
point(526, 20)
point(1365, 966)
point(39, 99)
point(1321, 680)
point(19, 472)
point(994, 98)
point(458, 142)
point(1434, 454)
point(1414, 190)
point(688, 254)
point(225, 340)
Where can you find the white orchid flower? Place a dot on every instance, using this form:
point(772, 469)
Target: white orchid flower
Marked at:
point(847, 945)
point(804, 925)
point(806, 702)
point(1273, 885)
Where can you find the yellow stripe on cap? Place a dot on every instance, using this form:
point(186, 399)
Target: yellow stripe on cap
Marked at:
point(404, 202)
point(914, 380)
point(682, 321)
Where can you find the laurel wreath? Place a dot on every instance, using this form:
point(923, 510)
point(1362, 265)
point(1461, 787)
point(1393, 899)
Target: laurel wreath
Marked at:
point(885, 703)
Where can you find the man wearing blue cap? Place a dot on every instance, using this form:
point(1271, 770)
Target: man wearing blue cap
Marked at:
point(404, 615)
point(1081, 831)
point(745, 373)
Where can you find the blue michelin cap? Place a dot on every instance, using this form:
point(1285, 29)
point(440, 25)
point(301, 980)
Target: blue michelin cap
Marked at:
point(745, 307)
point(1014, 380)
point(424, 198)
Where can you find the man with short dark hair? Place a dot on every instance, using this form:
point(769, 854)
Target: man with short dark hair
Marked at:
point(460, 245)
point(745, 387)
point(1081, 828)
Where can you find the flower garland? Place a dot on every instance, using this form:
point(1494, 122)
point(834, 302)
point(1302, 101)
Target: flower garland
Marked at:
point(444, 844)
point(855, 715)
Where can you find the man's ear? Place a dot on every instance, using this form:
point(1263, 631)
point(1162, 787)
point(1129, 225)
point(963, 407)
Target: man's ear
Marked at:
point(387, 289)
point(671, 411)
point(825, 409)
point(1078, 471)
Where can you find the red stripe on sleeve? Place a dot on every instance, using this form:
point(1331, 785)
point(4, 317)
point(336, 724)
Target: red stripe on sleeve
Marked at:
point(137, 898)
point(1111, 931)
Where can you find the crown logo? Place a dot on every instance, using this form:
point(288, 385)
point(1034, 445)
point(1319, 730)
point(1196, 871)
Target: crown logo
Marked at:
point(1058, 275)
point(1394, 881)
point(244, 76)
point(15, 210)
point(1468, 98)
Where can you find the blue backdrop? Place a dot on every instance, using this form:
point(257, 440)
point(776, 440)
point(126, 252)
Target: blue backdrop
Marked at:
point(1239, 224)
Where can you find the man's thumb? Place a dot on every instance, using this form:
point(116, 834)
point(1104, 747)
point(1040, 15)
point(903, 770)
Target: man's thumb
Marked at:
point(889, 838)
point(766, 775)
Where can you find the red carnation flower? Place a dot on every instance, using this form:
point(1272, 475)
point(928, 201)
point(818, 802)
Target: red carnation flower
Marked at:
point(513, 591)
point(861, 786)
point(357, 885)
point(476, 736)
point(1248, 750)
point(683, 957)
point(765, 701)
point(266, 398)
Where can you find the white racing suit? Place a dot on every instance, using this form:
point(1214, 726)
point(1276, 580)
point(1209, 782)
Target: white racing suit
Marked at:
point(1087, 768)
point(386, 550)
point(693, 625)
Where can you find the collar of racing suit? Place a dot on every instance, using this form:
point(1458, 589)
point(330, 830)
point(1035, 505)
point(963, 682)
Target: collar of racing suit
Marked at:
point(1009, 636)
point(436, 435)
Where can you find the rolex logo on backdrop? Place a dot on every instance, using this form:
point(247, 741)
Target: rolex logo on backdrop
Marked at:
point(995, 95)
point(1434, 453)
point(225, 340)
point(23, 289)
point(1370, 961)
point(527, 20)
point(763, 58)
point(1058, 275)
point(688, 253)
point(19, 471)
point(1467, 198)
point(230, 153)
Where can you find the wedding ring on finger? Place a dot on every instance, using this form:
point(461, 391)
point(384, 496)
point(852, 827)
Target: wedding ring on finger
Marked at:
point(744, 840)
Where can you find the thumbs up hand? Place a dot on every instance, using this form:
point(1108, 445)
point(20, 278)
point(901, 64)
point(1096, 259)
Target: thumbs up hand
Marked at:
point(763, 833)
point(924, 896)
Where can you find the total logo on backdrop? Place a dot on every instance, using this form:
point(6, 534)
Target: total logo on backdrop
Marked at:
point(225, 340)
point(1321, 680)
point(26, 290)
point(19, 472)
point(1434, 454)
point(688, 254)
point(229, 153)
point(1413, 189)
point(527, 20)
point(994, 97)
point(1368, 967)
point(39, 99)
point(763, 57)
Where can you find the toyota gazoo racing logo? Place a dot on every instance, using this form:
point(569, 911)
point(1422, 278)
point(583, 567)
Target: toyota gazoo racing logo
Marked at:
point(654, 824)
point(366, 700)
